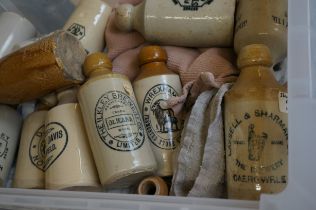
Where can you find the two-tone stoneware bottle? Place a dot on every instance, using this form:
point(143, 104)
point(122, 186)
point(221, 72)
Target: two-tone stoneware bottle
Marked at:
point(153, 87)
point(114, 125)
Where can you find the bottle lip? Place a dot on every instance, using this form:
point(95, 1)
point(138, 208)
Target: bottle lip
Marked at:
point(152, 53)
point(98, 61)
point(253, 55)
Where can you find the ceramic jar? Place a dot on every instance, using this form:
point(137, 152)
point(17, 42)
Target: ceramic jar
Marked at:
point(196, 23)
point(256, 128)
point(10, 126)
point(114, 125)
point(88, 23)
point(262, 22)
point(153, 87)
point(69, 164)
point(14, 29)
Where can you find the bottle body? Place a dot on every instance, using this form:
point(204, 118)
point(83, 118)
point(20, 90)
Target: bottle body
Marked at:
point(262, 22)
point(116, 131)
point(10, 125)
point(69, 162)
point(88, 22)
point(162, 126)
point(29, 171)
point(256, 136)
point(194, 24)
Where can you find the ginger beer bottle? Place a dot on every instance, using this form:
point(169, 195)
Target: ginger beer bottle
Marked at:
point(114, 125)
point(153, 87)
point(256, 132)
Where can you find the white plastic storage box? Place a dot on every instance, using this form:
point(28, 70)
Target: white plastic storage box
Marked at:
point(301, 191)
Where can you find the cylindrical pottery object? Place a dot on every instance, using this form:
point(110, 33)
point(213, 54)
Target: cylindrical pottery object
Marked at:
point(153, 186)
point(30, 164)
point(201, 23)
point(10, 126)
point(13, 29)
point(262, 22)
point(256, 131)
point(114, 125)
point(88, 22)
point(51, 63)
point(69, 163)
point(153, 87)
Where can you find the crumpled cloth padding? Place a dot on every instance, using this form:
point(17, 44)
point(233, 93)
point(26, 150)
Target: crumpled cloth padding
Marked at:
point(200, 165)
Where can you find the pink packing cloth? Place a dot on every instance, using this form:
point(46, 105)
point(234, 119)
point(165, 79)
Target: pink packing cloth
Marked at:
point(199, 69)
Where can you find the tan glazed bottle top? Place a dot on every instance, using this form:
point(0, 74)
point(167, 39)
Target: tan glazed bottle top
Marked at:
point(254, 55)
point(97, 64)
point(152, 62)
point(151, 54)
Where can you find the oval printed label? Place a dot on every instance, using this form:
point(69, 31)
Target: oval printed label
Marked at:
point(37, 148)
point(162, 126)
point(118, 122)
point(56, 140)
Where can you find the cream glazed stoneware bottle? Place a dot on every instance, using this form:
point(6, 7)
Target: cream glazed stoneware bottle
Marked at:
point(153, 87)
point(262, 22)
point(10, 126)
point(256, 131)
point(88, 23)
point(69, 163)
point(193, 23)
point(29, 172)
point(114, 124)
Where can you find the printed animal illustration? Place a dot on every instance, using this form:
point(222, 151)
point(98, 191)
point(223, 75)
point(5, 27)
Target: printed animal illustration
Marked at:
point(164, 118)
point(256, 143)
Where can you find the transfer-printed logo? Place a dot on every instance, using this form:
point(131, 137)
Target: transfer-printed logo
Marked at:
point(77, 30)
point(119, 122)
point(262, 149)
point(56, 140)
point(161, 124)
point(192, 5)
point(37, 148)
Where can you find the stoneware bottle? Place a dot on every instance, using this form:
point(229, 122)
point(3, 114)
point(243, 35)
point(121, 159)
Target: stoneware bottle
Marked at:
point(262, 22)
point(256, 132)
point(114, 124)
point(69, 163)
point(30, 163)
point(13, 29)
point(88, 23)
point(10, 126)
point(153, 87)
point(200, 23)
point(152, 186)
